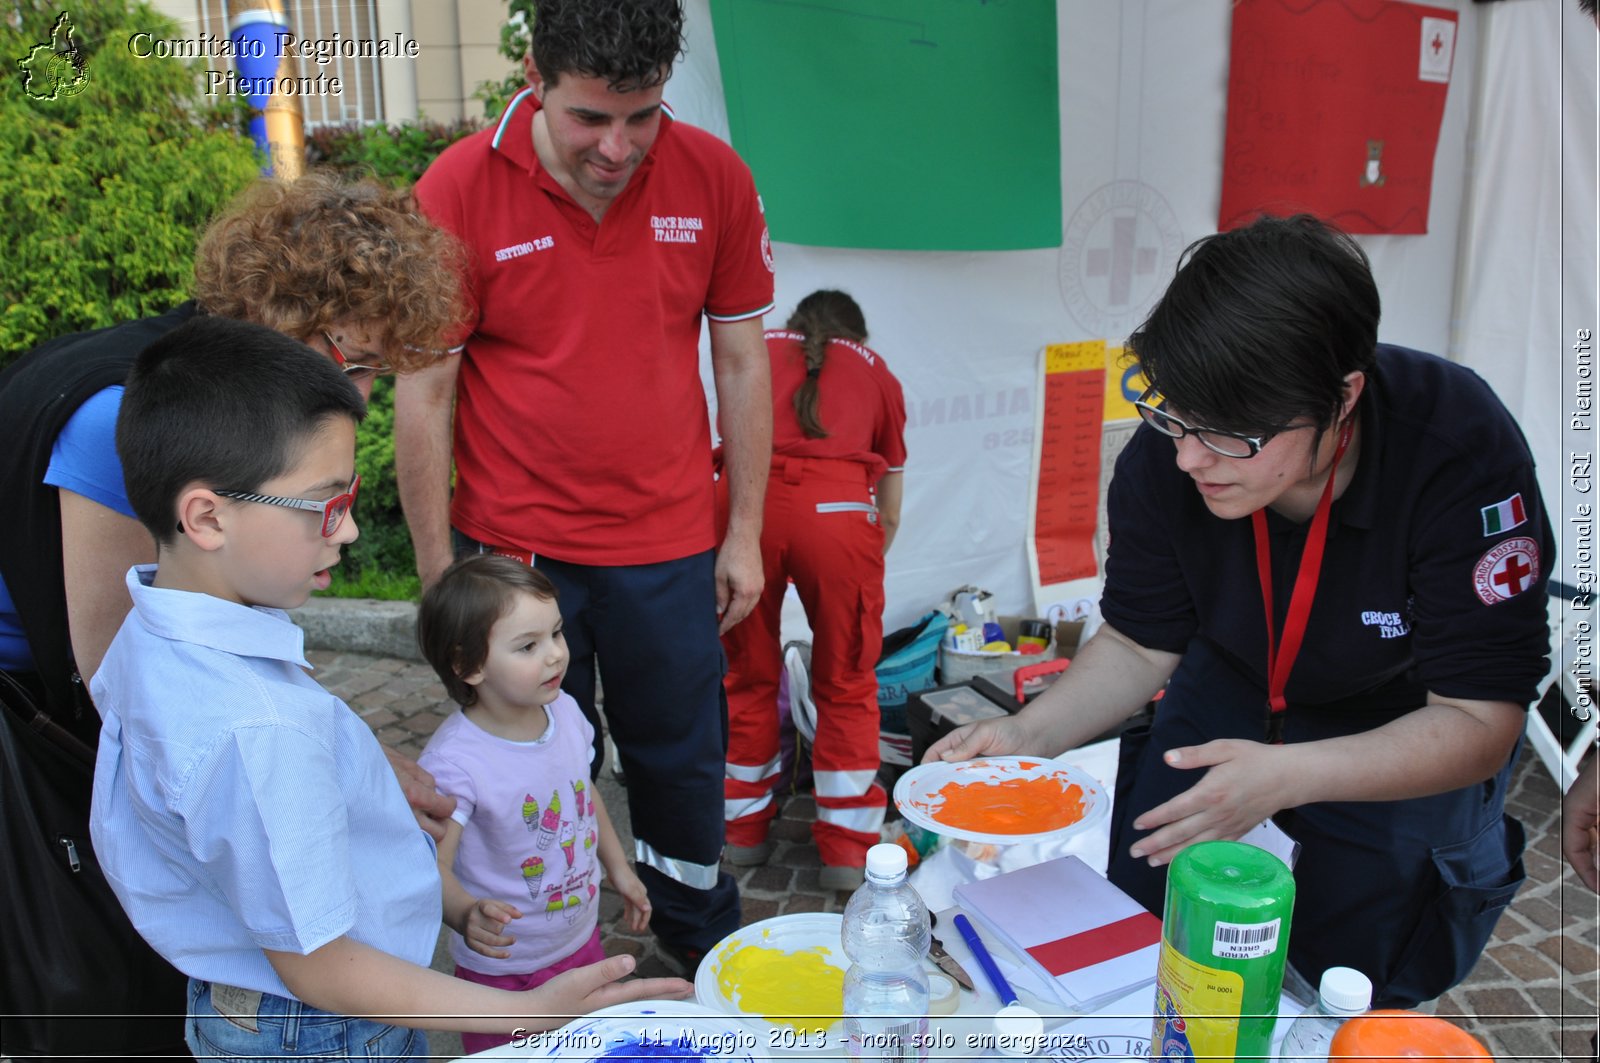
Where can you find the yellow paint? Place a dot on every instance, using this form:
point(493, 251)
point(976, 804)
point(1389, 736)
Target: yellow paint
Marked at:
point(800, 989)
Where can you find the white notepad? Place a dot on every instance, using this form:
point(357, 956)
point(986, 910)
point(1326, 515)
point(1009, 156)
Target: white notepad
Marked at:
point(1089, 940)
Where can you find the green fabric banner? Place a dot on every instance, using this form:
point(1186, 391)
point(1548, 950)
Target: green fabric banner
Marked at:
point(920, 125)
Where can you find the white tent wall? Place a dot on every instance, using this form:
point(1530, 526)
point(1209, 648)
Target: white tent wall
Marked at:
point(1527, 279)
point(1143, 96)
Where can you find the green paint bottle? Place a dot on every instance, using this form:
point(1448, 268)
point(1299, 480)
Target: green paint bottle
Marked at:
point(1224, 943)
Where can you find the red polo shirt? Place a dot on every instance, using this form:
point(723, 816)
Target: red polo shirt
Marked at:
point(581, 428)
point(859, 403)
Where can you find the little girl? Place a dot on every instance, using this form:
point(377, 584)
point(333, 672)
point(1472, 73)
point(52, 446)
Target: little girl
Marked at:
point(530, 832)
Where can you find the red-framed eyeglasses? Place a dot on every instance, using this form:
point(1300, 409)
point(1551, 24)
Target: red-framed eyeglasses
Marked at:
point(333, 510)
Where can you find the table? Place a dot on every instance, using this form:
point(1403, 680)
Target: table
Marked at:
point(1118, 1030)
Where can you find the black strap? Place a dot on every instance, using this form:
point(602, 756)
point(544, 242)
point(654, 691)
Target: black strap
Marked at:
point(19, 700)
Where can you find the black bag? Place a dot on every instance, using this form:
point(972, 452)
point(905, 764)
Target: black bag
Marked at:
point(75, 977)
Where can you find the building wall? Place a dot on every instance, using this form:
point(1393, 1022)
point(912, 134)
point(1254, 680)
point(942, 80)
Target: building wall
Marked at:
point(459, 48)
point(460, 41)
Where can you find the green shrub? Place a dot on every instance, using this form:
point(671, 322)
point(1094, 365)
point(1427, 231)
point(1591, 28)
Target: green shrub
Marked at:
point(380, 563)
point(105, 189)
point(516, 37)
point(395, 155)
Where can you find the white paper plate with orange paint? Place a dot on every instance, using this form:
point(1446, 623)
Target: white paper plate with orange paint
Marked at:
point(1002, 800)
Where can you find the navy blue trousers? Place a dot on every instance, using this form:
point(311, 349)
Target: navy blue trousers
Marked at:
point(652, 632)
point(1406, 892)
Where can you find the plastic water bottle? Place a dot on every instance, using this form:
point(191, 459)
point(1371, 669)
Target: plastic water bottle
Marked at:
point(886, 988)
point(1343, 994)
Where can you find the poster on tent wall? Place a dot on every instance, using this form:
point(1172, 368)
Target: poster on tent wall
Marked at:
point(1334, 107)
point(1084, 417)
point(927, 126)
point(1064, 500)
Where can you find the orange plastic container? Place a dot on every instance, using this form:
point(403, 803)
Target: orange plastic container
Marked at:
point(1385, 1035)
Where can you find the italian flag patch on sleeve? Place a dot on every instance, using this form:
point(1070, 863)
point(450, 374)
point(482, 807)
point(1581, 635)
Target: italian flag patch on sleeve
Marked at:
point(1503, 516)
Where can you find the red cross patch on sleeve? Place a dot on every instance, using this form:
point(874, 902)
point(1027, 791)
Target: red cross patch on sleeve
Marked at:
point(1506, 570)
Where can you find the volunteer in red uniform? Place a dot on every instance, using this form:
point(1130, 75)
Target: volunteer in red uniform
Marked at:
point(833, 504)
point(599, 232)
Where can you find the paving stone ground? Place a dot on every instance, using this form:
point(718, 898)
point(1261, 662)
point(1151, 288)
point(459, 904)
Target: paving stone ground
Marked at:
point(1532, 996)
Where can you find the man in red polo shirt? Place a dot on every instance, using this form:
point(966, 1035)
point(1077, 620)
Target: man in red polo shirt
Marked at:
point(598, 231)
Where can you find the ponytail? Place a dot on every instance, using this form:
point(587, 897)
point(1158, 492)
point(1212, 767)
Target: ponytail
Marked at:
point(822, 317)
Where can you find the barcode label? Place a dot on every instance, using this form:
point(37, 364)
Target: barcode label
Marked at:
point(1245, 941)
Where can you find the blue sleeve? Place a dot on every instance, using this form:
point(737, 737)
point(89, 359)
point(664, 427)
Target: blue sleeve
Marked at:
point(265, 816)
point(84, 457)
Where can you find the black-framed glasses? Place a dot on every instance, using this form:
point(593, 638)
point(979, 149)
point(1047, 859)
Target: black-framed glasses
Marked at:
point(1228, 444)
point(333, 510)
point(355, 370)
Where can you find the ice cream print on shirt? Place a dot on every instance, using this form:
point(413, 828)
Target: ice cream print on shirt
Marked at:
point(530, 812)
point(550, 822)
point(532, 872)
point(565, 894)
point(568, 898)
point(569, 838)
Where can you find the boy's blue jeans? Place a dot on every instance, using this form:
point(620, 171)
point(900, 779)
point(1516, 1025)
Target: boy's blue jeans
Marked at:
point(285, 1028)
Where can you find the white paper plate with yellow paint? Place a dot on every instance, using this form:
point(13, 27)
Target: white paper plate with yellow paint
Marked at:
point(785, 977)
point(1002, 800)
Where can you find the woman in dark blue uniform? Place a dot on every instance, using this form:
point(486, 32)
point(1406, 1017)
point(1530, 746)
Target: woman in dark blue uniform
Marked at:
point(1381, 502)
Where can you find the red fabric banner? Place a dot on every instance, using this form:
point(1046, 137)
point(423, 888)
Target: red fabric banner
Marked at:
point(1334, 108)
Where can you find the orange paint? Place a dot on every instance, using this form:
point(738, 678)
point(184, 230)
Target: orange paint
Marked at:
point(1010, 806)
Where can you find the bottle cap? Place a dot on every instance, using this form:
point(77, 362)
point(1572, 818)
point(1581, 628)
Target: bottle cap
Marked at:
point(886, 862)
point(1345, 990)
point(1018, 1030)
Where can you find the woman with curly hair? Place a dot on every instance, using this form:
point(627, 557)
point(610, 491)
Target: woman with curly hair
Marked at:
point(348, 268)
point(343, 267)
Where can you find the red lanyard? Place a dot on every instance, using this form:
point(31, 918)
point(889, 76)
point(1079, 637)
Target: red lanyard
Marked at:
point(1281, 655)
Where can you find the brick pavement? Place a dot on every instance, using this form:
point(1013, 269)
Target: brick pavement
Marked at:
point(1533, 995)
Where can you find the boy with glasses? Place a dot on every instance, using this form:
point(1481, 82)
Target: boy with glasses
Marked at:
point(246, 819)
point(343, 266)
point(1355, 658)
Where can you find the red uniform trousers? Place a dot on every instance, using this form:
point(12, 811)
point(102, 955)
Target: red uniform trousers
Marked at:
point(821, 531)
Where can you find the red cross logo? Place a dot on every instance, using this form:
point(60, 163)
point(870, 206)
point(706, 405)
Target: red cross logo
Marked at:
point(1124, 259)
point(1436, 44)
point(1513, 575)
point(1506, 570)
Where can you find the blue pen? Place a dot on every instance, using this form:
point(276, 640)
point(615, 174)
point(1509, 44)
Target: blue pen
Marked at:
point(969, 934)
